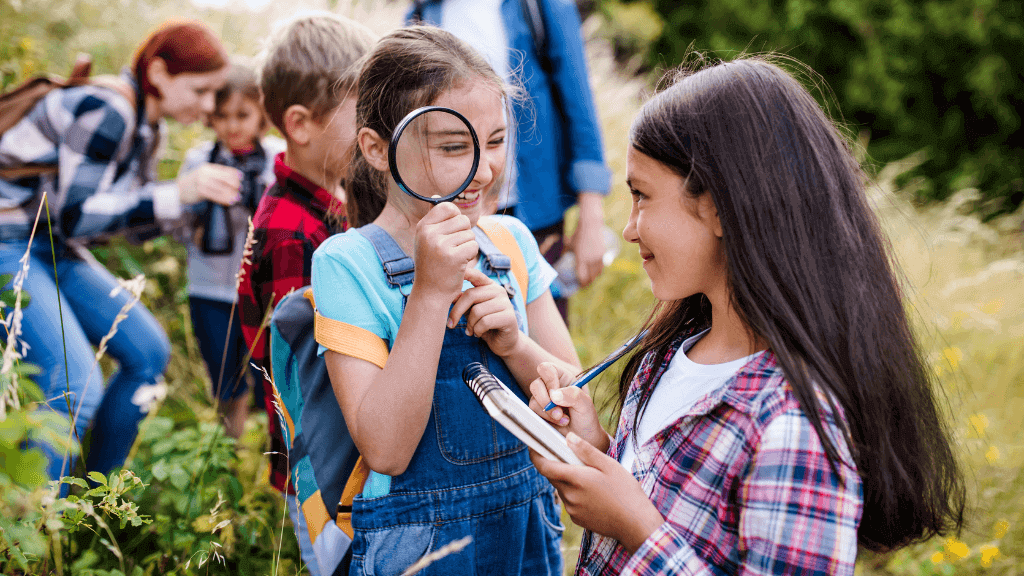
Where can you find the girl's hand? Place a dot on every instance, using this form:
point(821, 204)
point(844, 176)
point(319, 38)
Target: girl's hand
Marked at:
point(574, 409)
point(444, 247)
point(602, 495)
point(213, 182)
point(489, 313)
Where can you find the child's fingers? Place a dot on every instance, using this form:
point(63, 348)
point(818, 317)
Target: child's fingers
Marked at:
point(465, 302)
point(490, 315)
point(559, 474)
point(448, 216)
point(587, 453)
point(478, 278)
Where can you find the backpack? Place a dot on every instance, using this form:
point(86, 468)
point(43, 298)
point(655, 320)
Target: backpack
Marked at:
point(327, 481)
point(17, 103)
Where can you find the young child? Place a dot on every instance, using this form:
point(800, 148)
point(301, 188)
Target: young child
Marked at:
point(308, 79)
point(778, 412)
point(214, 236)
point(442, 469)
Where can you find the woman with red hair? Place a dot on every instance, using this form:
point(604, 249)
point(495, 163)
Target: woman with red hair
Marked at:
point(102, 138)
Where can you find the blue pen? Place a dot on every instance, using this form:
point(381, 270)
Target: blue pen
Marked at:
point(589, 375)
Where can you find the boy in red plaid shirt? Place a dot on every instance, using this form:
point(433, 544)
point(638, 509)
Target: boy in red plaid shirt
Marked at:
point(308, 78)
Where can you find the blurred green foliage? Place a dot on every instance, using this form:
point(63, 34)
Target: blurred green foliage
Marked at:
point(943, 76)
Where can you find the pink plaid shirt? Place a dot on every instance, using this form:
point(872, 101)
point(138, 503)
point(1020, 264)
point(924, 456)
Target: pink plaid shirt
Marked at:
point(743, 483)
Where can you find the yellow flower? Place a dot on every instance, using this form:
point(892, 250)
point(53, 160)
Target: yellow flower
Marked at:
point(992, 306)
point(953, 355)
point(957, 548)
point(992, 454)
point(1001, 528)
point(938, 557)
point(988, 553)
point(979, 422)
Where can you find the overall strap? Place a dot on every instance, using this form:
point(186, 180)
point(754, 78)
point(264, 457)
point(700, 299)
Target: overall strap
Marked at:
point(495, 262)
point(399, 267)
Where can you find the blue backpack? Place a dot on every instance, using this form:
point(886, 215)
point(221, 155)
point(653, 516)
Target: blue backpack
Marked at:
point(325, 481)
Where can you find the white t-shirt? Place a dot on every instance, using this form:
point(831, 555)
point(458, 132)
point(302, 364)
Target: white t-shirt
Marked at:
point(680, 387)
point(479, 24)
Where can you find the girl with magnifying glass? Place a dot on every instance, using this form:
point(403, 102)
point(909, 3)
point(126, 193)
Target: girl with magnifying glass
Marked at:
point(415, 296)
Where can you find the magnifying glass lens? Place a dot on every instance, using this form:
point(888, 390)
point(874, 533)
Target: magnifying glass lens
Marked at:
point(435, 155)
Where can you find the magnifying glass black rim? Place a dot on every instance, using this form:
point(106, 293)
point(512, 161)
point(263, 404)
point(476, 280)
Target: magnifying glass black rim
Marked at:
point(393, 148)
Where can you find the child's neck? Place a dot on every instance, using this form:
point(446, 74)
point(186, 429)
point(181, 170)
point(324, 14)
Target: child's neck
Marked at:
point(244, 150)
point(313, 170)
point(399, 226)
point(730, 338)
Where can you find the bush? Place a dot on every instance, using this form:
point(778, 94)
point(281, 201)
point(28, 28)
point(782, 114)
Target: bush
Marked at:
point(942, 76)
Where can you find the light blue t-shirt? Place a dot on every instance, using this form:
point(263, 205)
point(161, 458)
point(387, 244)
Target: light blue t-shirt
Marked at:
point(349, 283)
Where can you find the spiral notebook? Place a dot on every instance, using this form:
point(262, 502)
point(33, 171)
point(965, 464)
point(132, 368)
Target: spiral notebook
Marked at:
point(504, 406)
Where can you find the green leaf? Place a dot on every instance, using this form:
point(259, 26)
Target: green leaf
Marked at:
point(75, 481)
point(97, 477)
point(87, 560)
point(179, 477)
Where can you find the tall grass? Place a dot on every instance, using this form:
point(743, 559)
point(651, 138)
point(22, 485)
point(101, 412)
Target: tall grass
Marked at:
point(964, 281)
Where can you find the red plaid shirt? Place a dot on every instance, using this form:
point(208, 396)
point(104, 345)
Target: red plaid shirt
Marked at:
point(291, 221)
point(743, 483)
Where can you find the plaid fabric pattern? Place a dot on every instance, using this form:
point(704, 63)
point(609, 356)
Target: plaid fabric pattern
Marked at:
point(743, 482)
point(292, 220)
point(105, 182)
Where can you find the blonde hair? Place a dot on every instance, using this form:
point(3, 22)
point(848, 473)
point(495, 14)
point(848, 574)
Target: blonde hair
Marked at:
point(313, 60)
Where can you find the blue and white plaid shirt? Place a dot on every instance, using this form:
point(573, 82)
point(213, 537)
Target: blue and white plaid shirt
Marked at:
point(105, 182)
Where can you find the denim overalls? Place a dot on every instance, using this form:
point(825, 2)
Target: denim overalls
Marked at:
point(468, 476)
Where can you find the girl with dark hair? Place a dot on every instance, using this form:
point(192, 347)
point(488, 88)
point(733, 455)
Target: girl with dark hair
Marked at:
point(778, 413)
point(102, 141)
point(416, 294)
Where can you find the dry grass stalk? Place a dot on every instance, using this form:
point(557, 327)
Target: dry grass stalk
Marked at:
point(447, 550)
point(12, 323)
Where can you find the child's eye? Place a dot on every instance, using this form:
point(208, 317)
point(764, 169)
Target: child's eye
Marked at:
point(453, 148)
point(497, 141)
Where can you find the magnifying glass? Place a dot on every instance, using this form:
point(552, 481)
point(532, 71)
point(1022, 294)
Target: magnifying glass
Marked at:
point(433, 154)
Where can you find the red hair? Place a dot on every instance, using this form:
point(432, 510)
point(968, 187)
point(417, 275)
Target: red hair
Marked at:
point(184, 45)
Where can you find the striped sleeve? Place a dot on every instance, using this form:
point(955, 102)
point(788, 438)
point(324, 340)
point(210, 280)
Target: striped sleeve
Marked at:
point(95, 196)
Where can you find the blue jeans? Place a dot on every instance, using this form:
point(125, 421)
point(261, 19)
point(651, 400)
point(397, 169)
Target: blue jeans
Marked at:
point(61, 332)
point(210, 319)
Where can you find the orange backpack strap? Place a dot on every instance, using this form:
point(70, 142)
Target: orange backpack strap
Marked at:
point(347, 339)
point(504, 240)
point(356, 480)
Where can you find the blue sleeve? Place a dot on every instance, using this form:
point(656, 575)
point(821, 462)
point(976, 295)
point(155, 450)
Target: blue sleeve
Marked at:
point(344, 280)
point(541, 273)
point(587, 170)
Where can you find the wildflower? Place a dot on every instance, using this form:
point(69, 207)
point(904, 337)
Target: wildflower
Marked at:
point(938, 557)
point(992, 455)
point(147, 396)
point(953, 355)
point(991, 307)
point(1001, 528)
point(988, 554)
point(957, 548)
point(979, 422)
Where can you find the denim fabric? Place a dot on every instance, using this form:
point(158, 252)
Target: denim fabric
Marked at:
point(86, 310)
point(556, 158)
point(468, 477)
point(210, 319)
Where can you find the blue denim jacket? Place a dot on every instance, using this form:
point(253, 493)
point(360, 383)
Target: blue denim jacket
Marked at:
point(555, 160)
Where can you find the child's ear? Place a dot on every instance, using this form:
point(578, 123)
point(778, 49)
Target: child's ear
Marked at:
point(374, 148)
point(708, 213)
point(298, 124)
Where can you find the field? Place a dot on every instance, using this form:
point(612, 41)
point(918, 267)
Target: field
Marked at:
point(196, 502)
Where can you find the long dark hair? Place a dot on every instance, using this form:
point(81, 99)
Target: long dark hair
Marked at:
point(810, 272)
point(409, 68)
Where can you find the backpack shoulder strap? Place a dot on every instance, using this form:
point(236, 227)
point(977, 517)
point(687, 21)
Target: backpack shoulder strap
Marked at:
point(352, 340)
point(505, 242)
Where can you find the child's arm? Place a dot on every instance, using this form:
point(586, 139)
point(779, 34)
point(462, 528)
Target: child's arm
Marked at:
point(490, 316)
point(387, 409)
